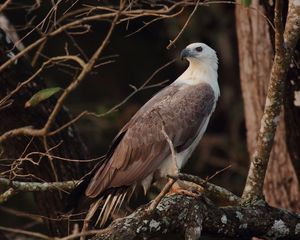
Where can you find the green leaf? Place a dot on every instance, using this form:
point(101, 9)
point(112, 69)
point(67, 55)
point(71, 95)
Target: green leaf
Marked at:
point(246, 3)
point(41, 96)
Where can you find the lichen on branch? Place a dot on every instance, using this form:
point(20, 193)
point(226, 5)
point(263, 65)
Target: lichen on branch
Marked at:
point(193, 217)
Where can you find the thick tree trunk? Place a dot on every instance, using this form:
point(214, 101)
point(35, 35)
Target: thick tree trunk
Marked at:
point(256, 56)
point(65, 144)
point(292, 111)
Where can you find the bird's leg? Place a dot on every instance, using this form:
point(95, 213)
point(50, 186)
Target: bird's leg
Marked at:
point(159, 197)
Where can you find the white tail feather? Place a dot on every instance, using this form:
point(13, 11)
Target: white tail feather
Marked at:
point(108, 211)
point(109, 205)
point(104, 207)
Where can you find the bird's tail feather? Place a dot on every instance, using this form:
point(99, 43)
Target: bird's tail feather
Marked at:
point(108, 208)
point(109, 204)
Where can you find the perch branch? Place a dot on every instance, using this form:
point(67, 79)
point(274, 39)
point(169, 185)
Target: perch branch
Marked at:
point(194, 216)
point(210, 189)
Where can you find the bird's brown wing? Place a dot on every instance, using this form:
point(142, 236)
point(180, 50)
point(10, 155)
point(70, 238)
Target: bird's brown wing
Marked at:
point(143, 146)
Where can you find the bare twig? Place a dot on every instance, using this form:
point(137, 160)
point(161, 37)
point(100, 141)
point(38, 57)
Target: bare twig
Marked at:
point(143, 86)
point(4, 5)
point(171, 181)
point(51, 60)
point(160, 196)
point(136, 13)
point(86, 68)
point(18, 213)
point(172, 42)
point(217, 173)
point(81, 234)
point(26, 233)
point(7, 194)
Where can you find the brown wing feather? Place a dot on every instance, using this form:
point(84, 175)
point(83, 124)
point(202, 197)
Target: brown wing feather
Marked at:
point(143, 146)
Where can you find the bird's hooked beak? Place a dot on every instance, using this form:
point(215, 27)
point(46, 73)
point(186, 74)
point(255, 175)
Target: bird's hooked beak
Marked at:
point(185, 53)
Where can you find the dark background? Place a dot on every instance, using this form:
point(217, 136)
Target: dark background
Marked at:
point(138, 56)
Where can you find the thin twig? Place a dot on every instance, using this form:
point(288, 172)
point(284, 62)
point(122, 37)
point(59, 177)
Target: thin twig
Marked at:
point(7, 194)
point(172, 42)
point(160, 196)
point(26, 233)
point(21, 214)
point(85, 70)
point(4, 5)
point(217, 173)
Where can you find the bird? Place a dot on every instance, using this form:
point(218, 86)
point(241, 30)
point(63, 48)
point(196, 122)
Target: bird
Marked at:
point(141, 152)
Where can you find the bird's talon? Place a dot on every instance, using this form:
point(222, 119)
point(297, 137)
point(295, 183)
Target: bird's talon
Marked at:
point(186, 192)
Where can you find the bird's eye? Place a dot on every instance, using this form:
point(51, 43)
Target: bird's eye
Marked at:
point(199, 49)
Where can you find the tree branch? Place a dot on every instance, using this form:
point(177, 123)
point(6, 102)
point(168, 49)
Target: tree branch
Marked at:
point(13, 116)
point(283, 53)
point(210, 189)
point(17, 186)
point(39, 186)
point(7, 194)
point(193, 217)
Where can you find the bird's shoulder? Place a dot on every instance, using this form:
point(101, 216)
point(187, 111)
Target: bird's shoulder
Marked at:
point(178, 99)
point(175, 107)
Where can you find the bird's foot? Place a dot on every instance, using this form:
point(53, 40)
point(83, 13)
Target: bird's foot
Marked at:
point(186, 188)
point(185, 192)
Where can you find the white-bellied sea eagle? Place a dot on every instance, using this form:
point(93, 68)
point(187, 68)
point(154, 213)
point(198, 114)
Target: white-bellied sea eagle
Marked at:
point(141, 152)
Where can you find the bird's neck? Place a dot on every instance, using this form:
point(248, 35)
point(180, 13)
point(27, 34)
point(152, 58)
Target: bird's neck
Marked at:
point(199, 72)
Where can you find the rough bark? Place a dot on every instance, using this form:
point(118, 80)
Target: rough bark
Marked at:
point(68, 143)
point(292, 107)
point(192, 217)
point(256, 56)
point(292, 112)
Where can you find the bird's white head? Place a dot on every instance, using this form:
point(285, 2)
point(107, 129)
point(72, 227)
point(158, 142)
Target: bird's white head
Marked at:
point(203, 66)
point(200, 53)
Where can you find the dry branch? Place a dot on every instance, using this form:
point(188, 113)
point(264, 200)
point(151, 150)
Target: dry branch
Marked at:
point(14, 115)
point(86, 68)
point(283, 54)
point(17, 186)
point(38, 186)
point(7, 194)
